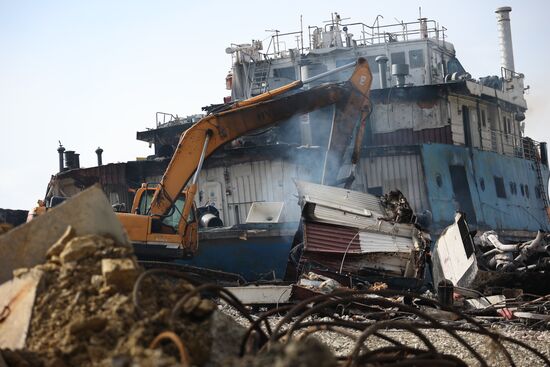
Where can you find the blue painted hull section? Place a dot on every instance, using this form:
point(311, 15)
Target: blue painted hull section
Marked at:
point(517, 211)
point(253, 257)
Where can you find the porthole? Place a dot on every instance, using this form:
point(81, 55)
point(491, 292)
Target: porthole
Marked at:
point(522, 190)
point(438, 180)
point(527, 191)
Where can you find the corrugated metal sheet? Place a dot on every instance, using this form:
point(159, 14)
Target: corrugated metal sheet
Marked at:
point(237, 186)
point(111, 177)
point(338, 239)
point(402, 172)
point(391, 263)
point(441, 135)
point(381, 242)
point(325, 214)
point(346, 200)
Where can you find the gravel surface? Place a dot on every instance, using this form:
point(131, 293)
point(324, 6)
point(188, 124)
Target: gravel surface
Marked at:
point(540, 340)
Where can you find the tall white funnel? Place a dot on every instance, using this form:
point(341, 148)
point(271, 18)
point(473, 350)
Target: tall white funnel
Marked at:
point(505, 37)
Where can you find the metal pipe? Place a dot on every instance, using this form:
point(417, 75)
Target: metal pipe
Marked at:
point(99, 151)
point(330, 72)
point(536, 246)
point(69, 159)
point(491, 252)
point(201, 159)
point(382, 68)
point(491, 238)
point(505, 37)
point(328, 149)
point(60, 151)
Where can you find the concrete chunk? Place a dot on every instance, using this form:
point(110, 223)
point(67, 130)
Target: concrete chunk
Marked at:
point(77, 249)
point(119, 273)
point(88, 213)
point(94, 323)
point(59, 246)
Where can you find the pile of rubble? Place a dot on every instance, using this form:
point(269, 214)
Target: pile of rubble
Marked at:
point(86, 311)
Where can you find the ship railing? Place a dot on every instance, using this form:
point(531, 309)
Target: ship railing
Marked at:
point(281, 44)
point(278, 46)
point(397, 32)
point(508, 74)
point(513, 145)
point(163, 119)
point(531, 149)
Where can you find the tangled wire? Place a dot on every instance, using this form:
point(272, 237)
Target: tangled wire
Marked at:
point(380, 311)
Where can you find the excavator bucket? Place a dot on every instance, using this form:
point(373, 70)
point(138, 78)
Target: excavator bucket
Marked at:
point(348, 123)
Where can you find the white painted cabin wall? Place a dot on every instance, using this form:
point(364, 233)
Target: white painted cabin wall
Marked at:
point(267, 180)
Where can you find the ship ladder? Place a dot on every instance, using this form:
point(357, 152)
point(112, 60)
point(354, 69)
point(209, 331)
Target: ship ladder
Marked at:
point(259, 78)
point(542, 187)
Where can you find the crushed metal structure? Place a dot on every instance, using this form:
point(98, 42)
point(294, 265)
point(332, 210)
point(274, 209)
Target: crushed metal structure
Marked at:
point(349, 232)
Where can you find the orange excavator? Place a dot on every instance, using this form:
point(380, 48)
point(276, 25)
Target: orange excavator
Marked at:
point(163, 217)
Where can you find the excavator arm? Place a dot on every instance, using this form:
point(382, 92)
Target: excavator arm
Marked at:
point(151, 226)
point(206, 136)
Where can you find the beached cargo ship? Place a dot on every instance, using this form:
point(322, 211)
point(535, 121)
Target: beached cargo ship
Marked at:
point(447, 140)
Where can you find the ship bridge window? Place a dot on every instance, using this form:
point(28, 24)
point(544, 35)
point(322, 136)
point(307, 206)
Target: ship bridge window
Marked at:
point(499, 187)
point(416, 58)
point(398, 58)
point(287, 73)
point(483, 118)
point(454, 66)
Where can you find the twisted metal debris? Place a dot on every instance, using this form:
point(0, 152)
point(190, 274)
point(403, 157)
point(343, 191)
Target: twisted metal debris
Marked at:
point(375, 313)
point(317, 314)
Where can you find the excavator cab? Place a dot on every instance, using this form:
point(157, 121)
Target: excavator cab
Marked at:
point(162, 232)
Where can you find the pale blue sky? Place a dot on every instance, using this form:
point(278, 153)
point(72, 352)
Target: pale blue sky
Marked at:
point(92, 73)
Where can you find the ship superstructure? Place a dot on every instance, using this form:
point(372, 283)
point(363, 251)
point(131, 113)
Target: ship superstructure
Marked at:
point(446, 140)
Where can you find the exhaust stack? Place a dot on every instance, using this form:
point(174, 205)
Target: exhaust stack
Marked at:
point(382, 61)
point(505, 37)
point(99, 151)
point(60, 151)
